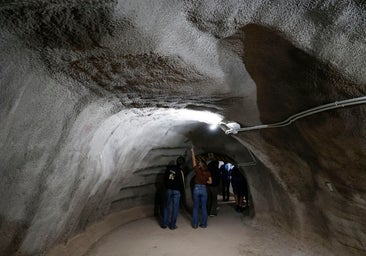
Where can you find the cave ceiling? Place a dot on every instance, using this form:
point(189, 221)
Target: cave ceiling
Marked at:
point(97, 96)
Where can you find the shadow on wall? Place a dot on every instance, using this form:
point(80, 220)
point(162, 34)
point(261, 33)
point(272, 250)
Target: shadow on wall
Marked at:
point(11, 235)
point(288, 79)
point(160, 194)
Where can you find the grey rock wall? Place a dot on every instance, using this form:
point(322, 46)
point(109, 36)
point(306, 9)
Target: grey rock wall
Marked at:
point(94, 98)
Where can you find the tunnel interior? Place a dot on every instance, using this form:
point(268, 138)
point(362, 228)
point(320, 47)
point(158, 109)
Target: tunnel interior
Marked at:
point(97, 97)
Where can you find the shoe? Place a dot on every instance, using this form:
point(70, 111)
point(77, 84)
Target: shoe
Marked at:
point(172, 228)
point(203, 226)
point(194, 226)
point(213, 215)
point(163, 227)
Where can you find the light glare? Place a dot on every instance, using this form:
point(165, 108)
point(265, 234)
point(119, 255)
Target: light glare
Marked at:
point(200, 116)
point(213, 127)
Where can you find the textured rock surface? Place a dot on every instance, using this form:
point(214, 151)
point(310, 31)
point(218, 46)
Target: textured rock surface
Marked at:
point(97, 97)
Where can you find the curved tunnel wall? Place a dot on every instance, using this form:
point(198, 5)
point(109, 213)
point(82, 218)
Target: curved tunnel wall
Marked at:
point(310, 154)
point(72, 97)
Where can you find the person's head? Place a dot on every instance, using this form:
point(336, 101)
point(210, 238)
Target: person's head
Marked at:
point(214, 164)
point(180, 161)
point(202, 164)
point(235, 170)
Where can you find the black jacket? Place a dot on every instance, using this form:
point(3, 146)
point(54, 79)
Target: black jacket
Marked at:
point(173, 178)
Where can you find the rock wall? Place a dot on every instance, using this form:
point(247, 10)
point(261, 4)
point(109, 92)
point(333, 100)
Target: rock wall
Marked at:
point(95, 99)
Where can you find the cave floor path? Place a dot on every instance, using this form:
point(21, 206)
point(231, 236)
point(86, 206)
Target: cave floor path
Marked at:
point(229, 233)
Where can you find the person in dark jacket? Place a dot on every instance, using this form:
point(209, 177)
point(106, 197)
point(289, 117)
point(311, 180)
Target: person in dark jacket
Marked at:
point(225, 170)
point(174, 184)
point(240, 189)
point(212, 189)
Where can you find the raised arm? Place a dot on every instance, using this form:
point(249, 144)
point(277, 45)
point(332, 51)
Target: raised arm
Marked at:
point(194, 161)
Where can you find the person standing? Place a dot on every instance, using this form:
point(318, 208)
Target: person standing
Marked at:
point(225, 178)
point(212, 189)
point(240, 189)
point(174, 184)
point(202, 178)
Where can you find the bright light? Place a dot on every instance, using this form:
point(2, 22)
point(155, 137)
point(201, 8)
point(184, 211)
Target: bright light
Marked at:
point(200, 116)
point(213, 127)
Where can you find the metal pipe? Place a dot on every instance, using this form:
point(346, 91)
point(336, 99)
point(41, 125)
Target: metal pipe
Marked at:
point(291, 119)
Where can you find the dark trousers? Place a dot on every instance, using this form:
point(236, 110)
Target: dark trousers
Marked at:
point(212, 200)
point(225, 190)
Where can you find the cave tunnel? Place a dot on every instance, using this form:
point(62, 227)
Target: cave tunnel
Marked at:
point(98, 97)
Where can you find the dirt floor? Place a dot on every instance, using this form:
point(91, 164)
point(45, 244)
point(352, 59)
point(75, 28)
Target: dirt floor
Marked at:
point(230, 234)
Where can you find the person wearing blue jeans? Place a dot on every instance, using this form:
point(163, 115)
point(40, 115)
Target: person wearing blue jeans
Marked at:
point(171, 197)
point(174, 183)
point(199, 202)
point(203, 177)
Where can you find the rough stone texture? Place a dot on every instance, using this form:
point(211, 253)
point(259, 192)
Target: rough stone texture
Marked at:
point(96, 97)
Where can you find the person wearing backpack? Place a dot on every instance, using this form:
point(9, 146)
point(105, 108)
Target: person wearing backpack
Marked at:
point(174, 184)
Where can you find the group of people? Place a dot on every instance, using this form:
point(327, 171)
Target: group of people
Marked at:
point(206, 184)
point(227, 174)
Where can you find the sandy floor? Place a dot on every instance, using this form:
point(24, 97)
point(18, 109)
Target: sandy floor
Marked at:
point(230, 234)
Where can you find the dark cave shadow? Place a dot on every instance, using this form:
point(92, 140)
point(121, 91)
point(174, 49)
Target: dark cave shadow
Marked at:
point(159, 198)
point(288, 79)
